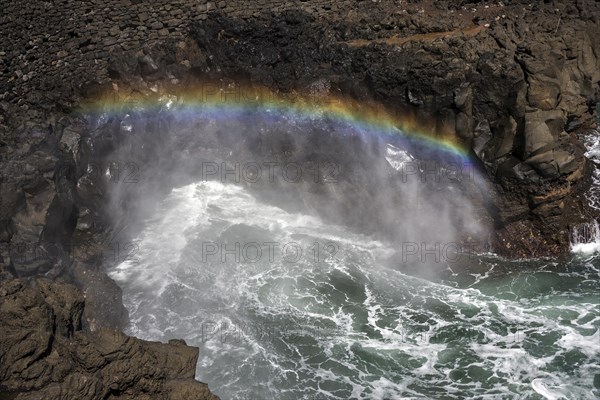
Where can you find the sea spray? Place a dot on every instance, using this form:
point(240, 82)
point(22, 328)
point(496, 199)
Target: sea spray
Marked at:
point(586, 238)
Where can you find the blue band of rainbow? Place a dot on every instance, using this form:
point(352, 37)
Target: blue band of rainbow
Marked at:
point(366, 119)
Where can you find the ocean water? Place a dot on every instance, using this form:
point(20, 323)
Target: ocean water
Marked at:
point(339, 322)
point(284, 305)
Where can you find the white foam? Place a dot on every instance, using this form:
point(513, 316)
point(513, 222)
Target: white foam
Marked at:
point(586, 239)
point(592, 143)
point(306, 295)
point(551, 393)
point(586, 248)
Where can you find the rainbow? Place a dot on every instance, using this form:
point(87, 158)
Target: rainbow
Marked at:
point(234, 104)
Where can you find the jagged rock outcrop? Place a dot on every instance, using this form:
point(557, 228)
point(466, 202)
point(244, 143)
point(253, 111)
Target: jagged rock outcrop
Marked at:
point(45, 353)
point(513, 90)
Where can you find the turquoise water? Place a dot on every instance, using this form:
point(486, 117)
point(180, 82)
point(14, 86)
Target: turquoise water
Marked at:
point(344, 321)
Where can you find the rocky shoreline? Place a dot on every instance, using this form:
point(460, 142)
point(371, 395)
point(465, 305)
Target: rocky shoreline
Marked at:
point(47, 355)
point(516, 83)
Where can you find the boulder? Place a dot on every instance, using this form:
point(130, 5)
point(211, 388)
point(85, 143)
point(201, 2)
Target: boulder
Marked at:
point(544, 164)
point(504, 132)
point(554, 163)
point(482, 140)
point(542, 129)
point(543, 92)
point(104, 298)
point(464, 126)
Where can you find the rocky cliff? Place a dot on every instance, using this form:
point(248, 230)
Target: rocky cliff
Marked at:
point(514, 86)
point(46, 354)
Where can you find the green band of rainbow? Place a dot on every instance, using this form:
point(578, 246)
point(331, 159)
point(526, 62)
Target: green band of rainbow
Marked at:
point(366, 119)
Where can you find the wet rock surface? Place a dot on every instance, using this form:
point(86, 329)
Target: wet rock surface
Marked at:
point(515, 82)
point(510, 89)
point(46, 354)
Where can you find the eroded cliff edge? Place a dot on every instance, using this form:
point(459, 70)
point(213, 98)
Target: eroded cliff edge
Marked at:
point(47, 355)
point(516, 89)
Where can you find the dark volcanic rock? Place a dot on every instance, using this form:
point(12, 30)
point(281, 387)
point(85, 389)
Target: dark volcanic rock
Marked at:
point(507, 90)
point(45, 354)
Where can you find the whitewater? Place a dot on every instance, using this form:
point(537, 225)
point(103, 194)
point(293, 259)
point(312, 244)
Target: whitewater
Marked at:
point(284, 304)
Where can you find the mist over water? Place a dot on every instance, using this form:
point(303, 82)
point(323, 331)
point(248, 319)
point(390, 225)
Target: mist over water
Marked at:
point(366, 276)
point(592, 143)
point(586, 238)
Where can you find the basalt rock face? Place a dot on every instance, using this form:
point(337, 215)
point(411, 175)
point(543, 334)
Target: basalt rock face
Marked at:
point(46, 354)
point(513, 90)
